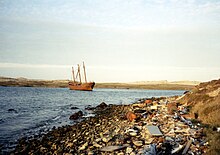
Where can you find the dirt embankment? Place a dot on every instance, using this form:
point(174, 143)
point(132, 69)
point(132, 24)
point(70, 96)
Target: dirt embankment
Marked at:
point(205, 101)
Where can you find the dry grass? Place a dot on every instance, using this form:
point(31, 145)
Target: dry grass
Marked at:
point(205, 101)
point(144, 86)
point(214, 141)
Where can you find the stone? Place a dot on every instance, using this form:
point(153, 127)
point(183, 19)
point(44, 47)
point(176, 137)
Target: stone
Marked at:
point(103, 105)
point(139, 111)
point(97, 145)
point(69, 145)
point(131, 116)
point(104, 139)
point(129, 150)
point(148, 101)
point(133, 133)
point(138, 143)
point(113, 148)
point(73, 108)
point(90, 153)
point(83, 147)
point(76, 115)
point(172, 107)
point(12, 110)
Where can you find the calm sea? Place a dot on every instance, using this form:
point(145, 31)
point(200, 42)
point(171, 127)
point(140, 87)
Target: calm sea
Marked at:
point(27, 111)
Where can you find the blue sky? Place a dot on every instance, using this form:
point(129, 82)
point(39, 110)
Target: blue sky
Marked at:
point(120, 41)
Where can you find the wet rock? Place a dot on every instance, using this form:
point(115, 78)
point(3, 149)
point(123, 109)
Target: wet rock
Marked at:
point(76, 115)
point(73, 108)
point(89, 107)
point(12, 110)
point(103, 105)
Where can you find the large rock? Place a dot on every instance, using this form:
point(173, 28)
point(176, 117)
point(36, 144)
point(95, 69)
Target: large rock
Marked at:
point(76, 115)
point(103, 105)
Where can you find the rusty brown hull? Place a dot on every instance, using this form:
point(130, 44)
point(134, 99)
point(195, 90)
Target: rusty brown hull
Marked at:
point(82, 86)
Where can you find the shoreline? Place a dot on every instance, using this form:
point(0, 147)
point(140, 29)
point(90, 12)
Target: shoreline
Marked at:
point(120, 129)
point(154, 85)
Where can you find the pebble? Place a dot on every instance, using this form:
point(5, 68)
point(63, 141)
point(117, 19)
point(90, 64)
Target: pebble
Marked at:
point(133, 133)
point(106, 139)
point(138, 143)
point(83, 146)
point(129, 150)
point(97, 145)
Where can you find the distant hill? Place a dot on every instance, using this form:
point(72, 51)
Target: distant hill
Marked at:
point(23, 82)
point(167, 82)
point(162, 85)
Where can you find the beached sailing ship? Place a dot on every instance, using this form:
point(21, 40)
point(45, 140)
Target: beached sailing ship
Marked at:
point(79, 85)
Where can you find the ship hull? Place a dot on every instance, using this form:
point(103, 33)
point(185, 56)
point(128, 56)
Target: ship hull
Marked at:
point(82, 86)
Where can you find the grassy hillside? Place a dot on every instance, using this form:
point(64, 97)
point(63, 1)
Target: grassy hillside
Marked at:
point(204, 101)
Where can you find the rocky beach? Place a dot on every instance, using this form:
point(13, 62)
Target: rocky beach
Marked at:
point(163, 125)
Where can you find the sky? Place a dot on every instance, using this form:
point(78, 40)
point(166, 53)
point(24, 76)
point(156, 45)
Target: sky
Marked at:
point(119, 40)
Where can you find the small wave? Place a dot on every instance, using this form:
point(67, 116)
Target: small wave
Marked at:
point(89, 115)
point(56, 118)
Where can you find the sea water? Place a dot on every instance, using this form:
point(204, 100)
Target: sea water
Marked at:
point(29, 111)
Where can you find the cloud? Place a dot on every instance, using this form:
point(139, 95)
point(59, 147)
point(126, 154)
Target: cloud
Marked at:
point(20, 66)
point(116, 12)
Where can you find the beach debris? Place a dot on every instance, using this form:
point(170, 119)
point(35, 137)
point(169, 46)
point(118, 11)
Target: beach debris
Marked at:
point(148, 101)
point(113, 148)
point(148, 129)
point(154, 130)
point(150, 150)
point(131, 116)
point(187, 146)
point(177, 149)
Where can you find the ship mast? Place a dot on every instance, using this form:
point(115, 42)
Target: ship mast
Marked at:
point(73, 75)
point(84, 72)
point(79, 74)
